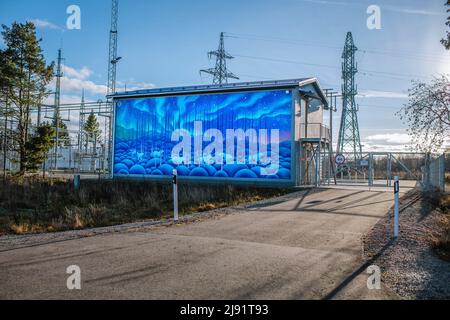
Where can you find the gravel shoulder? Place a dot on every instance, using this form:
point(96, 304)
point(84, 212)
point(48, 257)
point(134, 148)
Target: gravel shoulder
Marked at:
point(409, 266)
point(12, 242)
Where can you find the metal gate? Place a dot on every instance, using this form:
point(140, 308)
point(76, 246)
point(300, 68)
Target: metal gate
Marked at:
point(372, 169)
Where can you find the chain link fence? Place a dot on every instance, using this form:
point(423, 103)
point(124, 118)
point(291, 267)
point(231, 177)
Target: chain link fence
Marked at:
point(436, 171)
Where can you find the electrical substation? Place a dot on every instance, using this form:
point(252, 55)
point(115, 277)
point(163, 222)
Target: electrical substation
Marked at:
point(309, 155)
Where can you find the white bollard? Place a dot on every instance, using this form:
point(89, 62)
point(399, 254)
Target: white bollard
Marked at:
point(175, 195)
point(396, 199)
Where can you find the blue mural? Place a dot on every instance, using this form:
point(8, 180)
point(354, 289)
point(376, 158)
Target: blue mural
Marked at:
point(243, 135)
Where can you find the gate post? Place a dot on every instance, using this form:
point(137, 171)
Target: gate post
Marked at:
point(442, 172)
point(318, 163)
point(389, 170)
point(427, 169)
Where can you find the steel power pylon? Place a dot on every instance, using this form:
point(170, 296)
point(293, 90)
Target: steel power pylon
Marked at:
point(113, 59)
point(220, 73)
point(81, 124)
point(349, 138)
point(56, 115)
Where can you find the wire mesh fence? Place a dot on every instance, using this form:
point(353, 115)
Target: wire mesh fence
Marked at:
point(436, 171)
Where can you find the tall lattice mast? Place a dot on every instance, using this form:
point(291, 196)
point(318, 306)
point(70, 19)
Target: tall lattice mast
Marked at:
point(113, 59)
point(58, 76)
point(81, 123)
point(220, 73)
point(56, 115)
point(349, 138)
point(112, 68)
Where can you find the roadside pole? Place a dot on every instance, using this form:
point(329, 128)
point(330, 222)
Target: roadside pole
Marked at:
point(76, 181)
point(396, 199)
point(175, 195)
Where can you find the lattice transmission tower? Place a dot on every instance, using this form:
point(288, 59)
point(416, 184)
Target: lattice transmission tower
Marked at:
point(349, 138)
point(57, 116)
point(220, 72)
point(113, 59)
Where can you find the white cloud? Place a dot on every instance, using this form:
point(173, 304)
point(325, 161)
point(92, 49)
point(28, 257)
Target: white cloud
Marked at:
point(77, 85)
point(81, 74)
point(44, 24)
point(387, 142)
point(65, 99)
point(75, 80)
point(385, 148)
point(389, 139)
point(382, 94)
point(132, 85)
point(394, 141)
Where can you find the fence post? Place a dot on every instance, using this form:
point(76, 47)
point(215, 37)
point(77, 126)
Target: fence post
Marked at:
point(370, 169)
point(442, 172)
point(175, 195)
point(427, 169)
point(76, 181)
point(396, 205)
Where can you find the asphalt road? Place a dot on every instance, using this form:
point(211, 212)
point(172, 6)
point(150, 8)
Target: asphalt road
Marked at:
point(305, 248)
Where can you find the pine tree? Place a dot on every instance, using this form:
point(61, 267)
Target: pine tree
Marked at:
point(92, 130)
point(63, 133)
point(38, 147)
point(24, 77)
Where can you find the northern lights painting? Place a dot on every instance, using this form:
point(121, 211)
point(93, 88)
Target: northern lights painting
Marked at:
point(240, 135)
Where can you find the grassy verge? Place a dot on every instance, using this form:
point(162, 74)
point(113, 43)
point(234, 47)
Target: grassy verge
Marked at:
point(442, 244)
point(34, 205)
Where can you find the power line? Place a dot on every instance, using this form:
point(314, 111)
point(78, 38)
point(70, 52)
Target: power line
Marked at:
point(374, 73)
point(274, 39)
point(401, 54)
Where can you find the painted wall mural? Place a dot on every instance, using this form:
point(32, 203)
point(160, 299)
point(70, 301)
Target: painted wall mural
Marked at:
point(243, 135)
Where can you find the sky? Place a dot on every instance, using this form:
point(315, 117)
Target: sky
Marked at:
point(164, 43)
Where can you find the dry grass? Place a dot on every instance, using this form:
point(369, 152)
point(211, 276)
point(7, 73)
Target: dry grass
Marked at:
point(445, 202)
point(32, 205)
point(441, 245)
